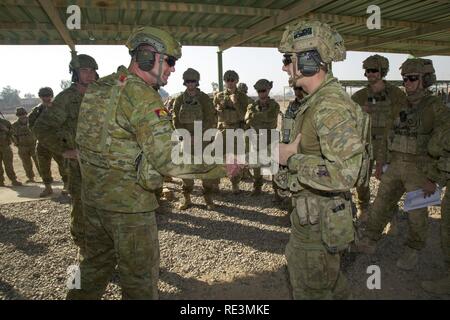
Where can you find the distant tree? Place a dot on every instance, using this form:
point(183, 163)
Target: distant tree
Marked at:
point(29, 96)
point(10, 96)
point(64, 84)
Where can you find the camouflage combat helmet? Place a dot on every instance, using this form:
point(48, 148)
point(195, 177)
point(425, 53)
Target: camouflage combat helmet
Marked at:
point(314, 35)
point(45, 92)
point(230, 75)
point(263, 84)
point(377, 62)
point(82, 61)
point(242, 87)
point(159, 39)
point(420, 66)
point(191, 74)
point(20, 111)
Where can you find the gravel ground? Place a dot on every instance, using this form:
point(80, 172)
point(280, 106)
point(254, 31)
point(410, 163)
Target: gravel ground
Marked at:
point(233, 252)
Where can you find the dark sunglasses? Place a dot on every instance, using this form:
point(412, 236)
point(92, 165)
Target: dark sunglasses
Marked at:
point(297, 88)
point(410, 78)
point(229, 80)
point(372, 70)
point(191, 81)
point(287, 60)
point(171, 61)
point(262, 91)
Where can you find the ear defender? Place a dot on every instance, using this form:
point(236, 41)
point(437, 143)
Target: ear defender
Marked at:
point(145, 59)
point(308, 63)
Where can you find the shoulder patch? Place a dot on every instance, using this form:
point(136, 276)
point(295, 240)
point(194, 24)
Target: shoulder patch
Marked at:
point(162, 113)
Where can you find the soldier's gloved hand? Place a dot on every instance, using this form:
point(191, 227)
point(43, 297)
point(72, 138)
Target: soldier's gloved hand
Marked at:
point(287, 150)
point(429, 188)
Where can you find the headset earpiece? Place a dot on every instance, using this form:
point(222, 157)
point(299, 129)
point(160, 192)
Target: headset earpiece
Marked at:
point(308, 63)
point(145, 59)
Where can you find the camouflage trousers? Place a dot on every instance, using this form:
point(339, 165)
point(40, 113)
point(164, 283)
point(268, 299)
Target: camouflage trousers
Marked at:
point(363, 192)
point(314, 270)
point(28, 154)
point(126, 240)
point(445, 223)
point(77, 223)
point(208, 185)
point(6, 157)
point(44, 158)
point(400, 177)
point(235, 149)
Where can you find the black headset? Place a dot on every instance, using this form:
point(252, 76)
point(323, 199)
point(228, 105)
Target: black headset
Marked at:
point(145, 59)
point(309, 62)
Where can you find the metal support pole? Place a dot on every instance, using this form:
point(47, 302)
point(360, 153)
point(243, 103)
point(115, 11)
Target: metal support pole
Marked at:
point(219, 61)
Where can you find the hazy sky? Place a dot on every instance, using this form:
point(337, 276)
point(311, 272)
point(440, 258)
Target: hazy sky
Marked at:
point(27, 68)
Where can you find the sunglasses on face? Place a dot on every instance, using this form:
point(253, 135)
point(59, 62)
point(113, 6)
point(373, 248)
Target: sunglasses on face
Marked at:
point(298, 88)
point(229, 80)
point(262, 91)
point(191, 81)
point(372, 70)
point(410, 78)
point(170, 61)
point(287, 60)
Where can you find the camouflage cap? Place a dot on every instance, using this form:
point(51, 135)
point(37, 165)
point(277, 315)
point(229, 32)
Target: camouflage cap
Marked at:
point(230, 75)
point(159, 39)
point(191, 74)
point(377, 62)
point(263, 84)
point(305, 36)
point(242, 87)
point(45, 92)
point(20, 111)
point(83, 61)
point(417, 65)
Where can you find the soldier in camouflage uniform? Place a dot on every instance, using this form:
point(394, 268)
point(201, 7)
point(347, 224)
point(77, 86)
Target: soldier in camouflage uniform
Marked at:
point(61, 121)
point(124, 135)
point(194, 105)
point(26, 143)
point(408, 138)
point(381, 100)
point(324, 159)
point(6, 154)
point(439, 170)
point(242, 87)
point(231, 105)
point(262, 114)
point(44, 155)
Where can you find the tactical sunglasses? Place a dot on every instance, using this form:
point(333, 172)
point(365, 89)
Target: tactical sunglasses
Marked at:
point(410, 78)
point(261, 91)
point(287, 60)
point(372, 70)
point(229, 80)
point(171, 61)
point(297, 88)
point(191, 81)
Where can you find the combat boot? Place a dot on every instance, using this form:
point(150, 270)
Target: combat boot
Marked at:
point(186, 202)
point(440, 286)
point(47, 191)
point(235, 188)
point(209, 202)
point(16, 183)
point(409, 259)
point(366, 246)
point(65, 189)
point(256, 190)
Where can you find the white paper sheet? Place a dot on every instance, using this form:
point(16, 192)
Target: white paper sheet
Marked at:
point(415, 200)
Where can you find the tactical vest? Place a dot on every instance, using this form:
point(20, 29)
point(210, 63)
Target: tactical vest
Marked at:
point(412, 129)
point(257, 107)
point(231, 118)
point(381, 106)
point(288, 117)
point(190, 111)
point(106, 144)
point(23, 135)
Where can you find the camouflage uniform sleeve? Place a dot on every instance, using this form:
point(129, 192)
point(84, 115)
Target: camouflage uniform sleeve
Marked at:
point(48, 126)
point(176, 112)
point(153, 132)
point(33, 116)
point(338, 167)
point(241, 105)
point(14, 133)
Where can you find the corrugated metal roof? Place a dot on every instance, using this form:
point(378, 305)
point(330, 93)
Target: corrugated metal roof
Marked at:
point(412, 26)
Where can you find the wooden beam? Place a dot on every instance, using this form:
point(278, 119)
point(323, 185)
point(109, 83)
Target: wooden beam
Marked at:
point(59, 25)
point(156, 6)
point(403, 36)
point(299, 9)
